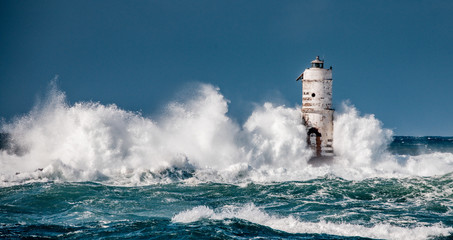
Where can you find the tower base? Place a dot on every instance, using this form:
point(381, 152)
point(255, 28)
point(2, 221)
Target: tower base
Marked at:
point(320, 161)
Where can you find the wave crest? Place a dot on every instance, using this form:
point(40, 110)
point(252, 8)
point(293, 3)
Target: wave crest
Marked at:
point(290, 224)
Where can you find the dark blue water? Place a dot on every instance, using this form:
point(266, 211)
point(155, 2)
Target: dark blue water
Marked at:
point(421, 145)
point(325, 207)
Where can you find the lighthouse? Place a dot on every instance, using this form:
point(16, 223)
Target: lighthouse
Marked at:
point(317, 112)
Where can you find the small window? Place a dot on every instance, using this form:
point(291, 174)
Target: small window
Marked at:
point(313, 94)
point(317, 65)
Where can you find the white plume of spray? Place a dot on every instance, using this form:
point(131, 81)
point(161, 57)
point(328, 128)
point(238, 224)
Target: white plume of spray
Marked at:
point(89, 141)
point(359, 140)
point(277, 137)
point(77, 141)
point(360, 144)
point(200, 130)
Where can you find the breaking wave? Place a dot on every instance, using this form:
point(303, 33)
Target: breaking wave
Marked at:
point(194, 141)
point(290, 224)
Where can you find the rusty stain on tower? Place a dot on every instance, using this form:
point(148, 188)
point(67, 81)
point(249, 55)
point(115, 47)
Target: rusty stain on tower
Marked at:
point(317, 112)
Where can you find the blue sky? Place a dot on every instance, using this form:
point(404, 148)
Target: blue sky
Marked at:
point(390, 58)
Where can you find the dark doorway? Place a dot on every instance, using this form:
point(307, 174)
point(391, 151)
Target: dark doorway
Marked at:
point(314, 140)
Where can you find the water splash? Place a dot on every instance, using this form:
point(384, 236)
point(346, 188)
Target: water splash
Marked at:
point(359, 140)
point(194, 140)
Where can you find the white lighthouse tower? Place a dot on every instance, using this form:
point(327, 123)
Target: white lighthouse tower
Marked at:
point(317, 112)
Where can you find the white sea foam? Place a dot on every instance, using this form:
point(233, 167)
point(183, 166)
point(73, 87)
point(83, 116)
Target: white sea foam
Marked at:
point(359, 140)
point(291, 224)
point(194, 140)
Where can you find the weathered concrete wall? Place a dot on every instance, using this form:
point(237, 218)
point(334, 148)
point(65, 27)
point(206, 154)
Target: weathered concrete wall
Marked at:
point(317, 109)
point(317, 94)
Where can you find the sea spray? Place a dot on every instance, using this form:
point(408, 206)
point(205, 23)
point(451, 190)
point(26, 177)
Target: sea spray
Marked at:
point(194, 140)
point(87, 170)
point(359, 140)
point(93, 139)
point(277, 138)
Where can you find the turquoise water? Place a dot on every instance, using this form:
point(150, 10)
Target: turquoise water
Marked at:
point(326, 207)
point(91, 210)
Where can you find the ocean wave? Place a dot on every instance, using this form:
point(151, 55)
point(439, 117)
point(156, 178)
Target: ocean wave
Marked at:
point(194, 141)
point(290, 224)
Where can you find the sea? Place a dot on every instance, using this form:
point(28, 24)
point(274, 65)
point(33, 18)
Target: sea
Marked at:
point(87, 170)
